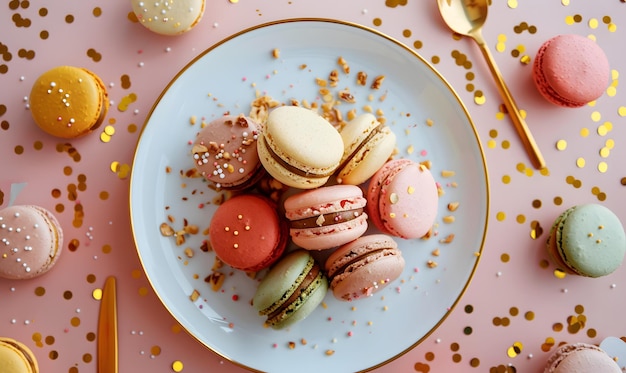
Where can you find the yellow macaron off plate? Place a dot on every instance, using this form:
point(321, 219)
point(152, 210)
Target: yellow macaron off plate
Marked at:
point(16, 357)
point(312, 64)
point(68, 101)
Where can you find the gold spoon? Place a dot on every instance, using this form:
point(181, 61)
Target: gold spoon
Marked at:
point(467, 17)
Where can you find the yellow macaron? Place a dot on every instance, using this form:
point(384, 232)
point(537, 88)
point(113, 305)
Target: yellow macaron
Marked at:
point(68, 101)
point(15, 357)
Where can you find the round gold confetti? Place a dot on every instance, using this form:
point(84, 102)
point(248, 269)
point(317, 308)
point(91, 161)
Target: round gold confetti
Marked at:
point(97, 294)
point(505, 258)
point(233, 1)
point(512, 4)
point(177, 366)
point(604, 152)
point(506, 179)
point(580, 162)
point(593, 23)
point(596, 116)
point(480, 99)
point(500, 216)
point(521, 219)
point(559, 273)
point(569, 20)
point(609, 143)
point(40, 291)
point(611, 91)
point(104, 137)
point(491, 144)
point(565, 2)
point(603, 167)
point(584, 132)
point(109, 130)
point(602, 130)
point(561, 145)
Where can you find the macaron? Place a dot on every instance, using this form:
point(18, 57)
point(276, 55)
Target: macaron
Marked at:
point(587, 240)
point(246, 233)
point(368, 144)
point(571, 70)
point(326, 217)
point(402, 199)
point(68, 101)
point(16, 357)
point(168, 17)
point(364, 266)
point(299, 148)
point(31, 241)
point(225, 152)
point(581, 358)
point(292, 289)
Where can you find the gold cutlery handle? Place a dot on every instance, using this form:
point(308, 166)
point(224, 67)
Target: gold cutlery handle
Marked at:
point(107, 329)
point(520, 124)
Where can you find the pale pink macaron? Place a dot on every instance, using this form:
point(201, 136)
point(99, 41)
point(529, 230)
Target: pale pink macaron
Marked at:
point(364, 266)
point(31, 240)
point(571, 70)
point(581, 358)
point(326, 217)
point(402, 199)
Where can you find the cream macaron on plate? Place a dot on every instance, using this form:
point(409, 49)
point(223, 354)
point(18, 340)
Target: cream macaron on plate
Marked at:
point(382, 76)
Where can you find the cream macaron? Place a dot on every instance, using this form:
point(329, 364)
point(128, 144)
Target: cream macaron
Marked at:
point(168, 17)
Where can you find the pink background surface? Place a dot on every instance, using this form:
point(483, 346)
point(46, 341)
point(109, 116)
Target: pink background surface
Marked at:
point(514, 297)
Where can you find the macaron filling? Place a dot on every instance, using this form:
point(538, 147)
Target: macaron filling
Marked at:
point(360, 146)
point(293, 169)
point(323, 220)
point(297, 297)
point(354, 258)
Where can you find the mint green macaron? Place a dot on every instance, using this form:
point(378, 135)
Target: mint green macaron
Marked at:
point(587, 240)
point(291, 290)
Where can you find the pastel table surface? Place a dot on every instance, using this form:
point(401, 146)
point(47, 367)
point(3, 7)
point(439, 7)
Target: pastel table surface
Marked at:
point(515, 310)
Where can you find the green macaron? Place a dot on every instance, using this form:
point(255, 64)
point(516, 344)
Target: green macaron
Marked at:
point(587, 240)
point(291, 290)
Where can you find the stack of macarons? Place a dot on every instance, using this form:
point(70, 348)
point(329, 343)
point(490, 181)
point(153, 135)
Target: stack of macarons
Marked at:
point(327, 206)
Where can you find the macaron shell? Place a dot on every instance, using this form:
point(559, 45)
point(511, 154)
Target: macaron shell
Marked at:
point(581, 357)
point(68, 101)
point(299, 147)
point(366, 148)
point(168, 17)
point(225, 152)
point(15, 357)
point(330, 236)
point(571, 70)
point(33, 241)
point(592, 241)
point(246, 233)
point(407, 199)
point(306, 307)
point(554, 238)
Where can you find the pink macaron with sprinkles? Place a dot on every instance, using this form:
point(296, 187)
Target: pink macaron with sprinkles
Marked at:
point(402, 199)
point(31, 240)
point(364, 266)
point(326, 217)
point(571, 70)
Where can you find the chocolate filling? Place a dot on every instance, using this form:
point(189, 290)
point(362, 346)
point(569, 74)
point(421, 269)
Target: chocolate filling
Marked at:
point(293, 169)
point(326, 219)
point(355, 257)
point(309, 279)
point(369, 137)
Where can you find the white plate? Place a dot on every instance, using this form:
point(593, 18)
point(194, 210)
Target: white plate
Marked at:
point(364, 333)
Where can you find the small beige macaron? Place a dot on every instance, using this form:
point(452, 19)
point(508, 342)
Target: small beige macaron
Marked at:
point(168, 17)
point(368, 144)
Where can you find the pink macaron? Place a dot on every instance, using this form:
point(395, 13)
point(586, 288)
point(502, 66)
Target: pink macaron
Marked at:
point(31, 241)
point(581, 358)
point(402, 199)
point(571, 70)
point(326, 217)
point(364, 266)
point(225, 153)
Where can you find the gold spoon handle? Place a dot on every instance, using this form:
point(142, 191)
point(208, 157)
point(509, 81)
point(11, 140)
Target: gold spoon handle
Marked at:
point(520, 124)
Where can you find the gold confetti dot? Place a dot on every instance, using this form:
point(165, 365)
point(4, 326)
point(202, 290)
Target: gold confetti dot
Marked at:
point(593, 23)
point(602, 130)
point(612, 27)
point(604, 152)
point(177, 366)
point(491, 144)
point(580, 162)
point(603, 167)
point(104, 137)
point(609, 143)
point(561, 145)
point(500, 216)
point(512, 4)
point(75, 321)
point(584, 132)
point(565, 2)
point(97, 294)
point(611, 91)
point(500, 47)
point(233, 1)
point(506, 179)
point(559, 273)
point(596, 116)
point(479, 99)
point(569, 20)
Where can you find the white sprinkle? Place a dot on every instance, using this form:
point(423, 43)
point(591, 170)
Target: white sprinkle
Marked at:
point(26, 322)
point(564, 290)
point(22, 78)
point(78, 310)
point(498, 273)
point(140, 64)
point(530, 356)
point(216, 25)
point(438, 340)
point(168, 49)
point(25, 98)
point(364, 11)
point(12, 289)
point(13, 321)
point(136, 111)
point(613, 286)
point(111, 85)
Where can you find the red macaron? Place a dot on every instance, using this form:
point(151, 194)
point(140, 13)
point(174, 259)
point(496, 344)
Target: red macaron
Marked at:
point(247, 234)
